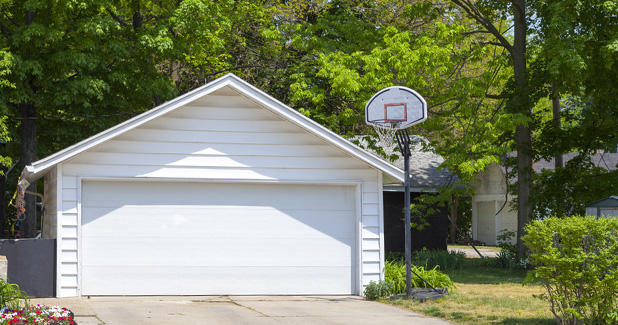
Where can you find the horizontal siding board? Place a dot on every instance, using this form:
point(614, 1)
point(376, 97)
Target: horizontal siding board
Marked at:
point(177, 160)
point(229, 125)
point(69, 194)
point(200, 112)
point(68, 231)
point(68, 268)
point(218, 173)
point(221, 149)
point(371, 220)
point(371, 267)
point(223, 101)
point(220, 137)
point(371, 232)
point(371, 243)
point(371, 208)
point(69, 207)
point(370, 197)
point(371, 256)
point(67, 291)
point(69, 181)
point(368, 277)
point(69, 256)
point(69, 280)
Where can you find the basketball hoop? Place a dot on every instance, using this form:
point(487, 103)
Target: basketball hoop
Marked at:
point(390, 110)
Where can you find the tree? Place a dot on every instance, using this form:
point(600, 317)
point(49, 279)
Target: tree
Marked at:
point(109, 59)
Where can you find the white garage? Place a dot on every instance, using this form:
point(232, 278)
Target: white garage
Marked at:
point(223, 190)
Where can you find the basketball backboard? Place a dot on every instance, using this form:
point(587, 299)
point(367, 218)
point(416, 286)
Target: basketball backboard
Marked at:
point(395, 108)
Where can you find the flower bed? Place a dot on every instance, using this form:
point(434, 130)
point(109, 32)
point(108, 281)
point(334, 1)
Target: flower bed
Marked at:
point(37, 315)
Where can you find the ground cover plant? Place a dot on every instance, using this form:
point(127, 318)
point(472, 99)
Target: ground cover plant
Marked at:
point(37, 315)
point(576, 260)
point(486, 294)
point(15, 309)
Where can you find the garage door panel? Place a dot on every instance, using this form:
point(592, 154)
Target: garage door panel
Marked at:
point(209, 252)
point(151, 238)
point(289, 196)
point(216, 221)
point(217, 281)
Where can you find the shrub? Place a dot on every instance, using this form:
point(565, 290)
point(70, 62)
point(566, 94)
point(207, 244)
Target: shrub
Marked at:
point(395, 273)
point(507, 257)
point(378, 289)
point(444, 259)
point(576, 259)
point(11, 296)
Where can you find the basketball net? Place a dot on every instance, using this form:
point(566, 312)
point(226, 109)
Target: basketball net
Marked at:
point(387, 139)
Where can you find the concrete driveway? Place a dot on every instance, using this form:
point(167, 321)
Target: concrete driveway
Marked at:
point(235, 310)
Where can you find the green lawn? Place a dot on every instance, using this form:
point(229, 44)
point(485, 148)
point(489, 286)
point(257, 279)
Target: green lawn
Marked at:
point(486, 294)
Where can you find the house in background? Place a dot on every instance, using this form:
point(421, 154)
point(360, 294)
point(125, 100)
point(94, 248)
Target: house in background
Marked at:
point(607, 207)
point(223, 190)
point(492, 207)
point(425, 177)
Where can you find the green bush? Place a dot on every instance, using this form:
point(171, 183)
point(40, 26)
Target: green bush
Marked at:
point(378, 289)
point(576, 259)
point(11, 296)
point(444, 259)
point(395, 273)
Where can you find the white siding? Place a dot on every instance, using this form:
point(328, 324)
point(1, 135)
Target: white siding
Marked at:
point(219, 138)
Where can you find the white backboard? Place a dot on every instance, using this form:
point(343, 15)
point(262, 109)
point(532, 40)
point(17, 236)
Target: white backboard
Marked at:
point(395, 108)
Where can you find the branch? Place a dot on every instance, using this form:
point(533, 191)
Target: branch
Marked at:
point(473, 12)
point(495, 96)
point(116, 17)
point(9, 18)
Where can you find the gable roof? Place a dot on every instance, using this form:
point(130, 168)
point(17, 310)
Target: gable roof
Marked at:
point(41, 167)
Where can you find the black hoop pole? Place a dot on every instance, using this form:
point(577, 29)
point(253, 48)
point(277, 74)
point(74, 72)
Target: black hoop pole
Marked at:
point(403, 140)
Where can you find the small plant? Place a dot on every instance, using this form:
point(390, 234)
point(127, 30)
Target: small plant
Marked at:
point(380, 289)
point(396, 274)
point(11, 296)
point(576, 259)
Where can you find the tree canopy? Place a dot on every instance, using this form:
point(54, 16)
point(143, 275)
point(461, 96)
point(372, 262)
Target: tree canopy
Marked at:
point(533, 77)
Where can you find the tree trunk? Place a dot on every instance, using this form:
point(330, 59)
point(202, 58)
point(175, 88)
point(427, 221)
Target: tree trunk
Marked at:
point(28, 155)
point(523, 133)
point(558, 161)
point(453, 229)
point(2, 200)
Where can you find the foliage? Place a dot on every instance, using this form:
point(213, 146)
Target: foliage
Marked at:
point(11, 296)
point(507, 257)
point(576, 259)
point(380, 289)
point(395, 272)
point(37, 315)
point(445, 260)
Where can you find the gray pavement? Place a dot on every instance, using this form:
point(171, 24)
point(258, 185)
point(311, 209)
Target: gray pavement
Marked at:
point(235, 310)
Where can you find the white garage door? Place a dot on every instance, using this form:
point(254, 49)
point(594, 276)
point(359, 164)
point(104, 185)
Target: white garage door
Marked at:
point(163, 238)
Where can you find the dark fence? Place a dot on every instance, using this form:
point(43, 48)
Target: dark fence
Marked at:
point(431, 237)
point(31, 265)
